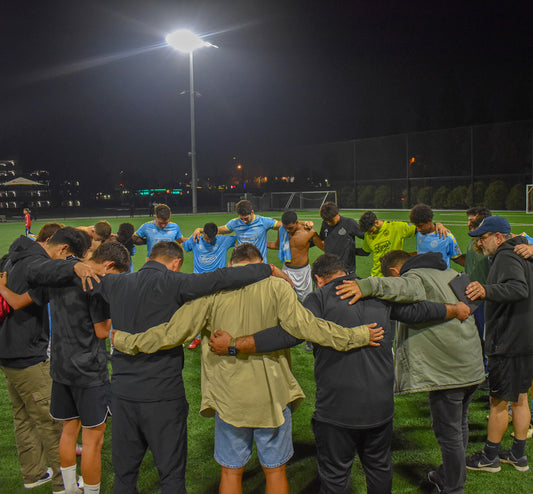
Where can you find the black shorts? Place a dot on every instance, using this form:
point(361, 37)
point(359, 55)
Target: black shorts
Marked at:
point(510, 376)
point(90, 405)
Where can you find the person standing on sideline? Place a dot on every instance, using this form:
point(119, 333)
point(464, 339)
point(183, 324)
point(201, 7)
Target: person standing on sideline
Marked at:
point(161, 228)
point(27, 222)
point(508, 295)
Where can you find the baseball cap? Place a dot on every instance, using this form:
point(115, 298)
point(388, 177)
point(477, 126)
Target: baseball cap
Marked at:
point(492, 224)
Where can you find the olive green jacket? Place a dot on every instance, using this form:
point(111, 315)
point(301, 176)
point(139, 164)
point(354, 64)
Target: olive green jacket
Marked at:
point(246, 390)
point(430, 356)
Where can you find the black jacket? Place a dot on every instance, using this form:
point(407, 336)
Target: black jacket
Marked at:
point(354, 389)
point(24, 332)
point(509, 302)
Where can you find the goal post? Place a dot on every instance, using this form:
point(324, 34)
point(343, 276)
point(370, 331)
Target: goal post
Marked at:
point(529, 198)
point(310, 199)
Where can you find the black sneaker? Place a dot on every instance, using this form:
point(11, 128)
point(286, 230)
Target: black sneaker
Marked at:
point(520, 464)
point(434, 478)
point(479, 461)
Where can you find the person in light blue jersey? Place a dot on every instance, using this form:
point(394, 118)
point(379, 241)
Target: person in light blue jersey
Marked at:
point(160, 229)
point(248, 227)
point(209, 252)
point(427, 238)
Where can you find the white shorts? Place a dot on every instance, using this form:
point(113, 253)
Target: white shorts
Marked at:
point(301, 278)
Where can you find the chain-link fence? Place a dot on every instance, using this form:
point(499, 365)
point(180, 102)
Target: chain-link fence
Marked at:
point(450, 168)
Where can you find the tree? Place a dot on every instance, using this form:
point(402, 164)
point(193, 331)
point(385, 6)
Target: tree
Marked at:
point(366, 198)
point(516, 198)
point(457, 197)
point(440, 198)
point(425, 195)
point(495, 195)
point(382, 197)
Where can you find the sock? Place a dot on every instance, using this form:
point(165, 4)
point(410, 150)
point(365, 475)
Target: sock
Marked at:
point(491, 449)
point(518, 448)
point(91, 489)
point(69, 478)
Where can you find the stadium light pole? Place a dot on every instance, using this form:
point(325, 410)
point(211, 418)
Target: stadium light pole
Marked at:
point(185, 41)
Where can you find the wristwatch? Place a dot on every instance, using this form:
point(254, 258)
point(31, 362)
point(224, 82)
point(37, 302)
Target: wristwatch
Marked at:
point(232, 349)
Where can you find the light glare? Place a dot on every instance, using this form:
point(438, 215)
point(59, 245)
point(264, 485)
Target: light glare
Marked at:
point(185, 41)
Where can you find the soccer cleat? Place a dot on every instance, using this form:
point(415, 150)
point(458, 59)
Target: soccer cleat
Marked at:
point(434, 478)
point(520, 464)
point(479, 461)
point(194, 343)
point(47, 477)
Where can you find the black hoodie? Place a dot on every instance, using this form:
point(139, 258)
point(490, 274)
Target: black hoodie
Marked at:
point(509, 302)
point(24, 332)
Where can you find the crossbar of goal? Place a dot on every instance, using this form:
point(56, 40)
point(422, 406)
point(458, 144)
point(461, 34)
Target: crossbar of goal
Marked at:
point(310, 199)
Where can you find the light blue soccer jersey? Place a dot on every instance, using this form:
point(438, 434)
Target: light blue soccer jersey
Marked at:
point(207, 256)
point(254, 233)
point(432, 242)
point(153, 234)
point(528, 238)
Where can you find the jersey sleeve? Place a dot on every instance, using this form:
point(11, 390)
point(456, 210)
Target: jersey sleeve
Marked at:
point(269, 223)
point(230, 225)
point(187, 245)
point(178, 234)
point(409, 230)
point(454, 250)
point(365, 245)
point(98, 308)
point(141, 231)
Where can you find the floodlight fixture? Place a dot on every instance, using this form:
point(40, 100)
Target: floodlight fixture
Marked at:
point(185, 41)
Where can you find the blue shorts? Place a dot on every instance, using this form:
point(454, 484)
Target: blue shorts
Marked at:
point(233, 445)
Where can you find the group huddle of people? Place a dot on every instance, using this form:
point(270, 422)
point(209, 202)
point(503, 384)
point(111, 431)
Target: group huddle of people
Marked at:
point(70, 289)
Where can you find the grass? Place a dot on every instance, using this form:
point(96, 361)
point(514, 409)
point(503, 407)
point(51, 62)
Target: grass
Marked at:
point(415, 450)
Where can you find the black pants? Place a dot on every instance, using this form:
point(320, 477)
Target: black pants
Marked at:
point(336, 448)
point(449, 416)
point(160, 426)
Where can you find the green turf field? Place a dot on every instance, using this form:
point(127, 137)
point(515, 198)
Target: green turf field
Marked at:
point(415, 450)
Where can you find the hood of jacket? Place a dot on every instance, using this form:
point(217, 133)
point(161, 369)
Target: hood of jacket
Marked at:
point(428, 260)
point(25, 247)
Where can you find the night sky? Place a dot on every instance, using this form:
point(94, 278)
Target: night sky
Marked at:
point(88, 88)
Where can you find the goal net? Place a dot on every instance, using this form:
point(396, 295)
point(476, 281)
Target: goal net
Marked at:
point(301, 200)
point(529, 198)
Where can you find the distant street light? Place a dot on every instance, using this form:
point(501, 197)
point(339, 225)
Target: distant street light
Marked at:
point(185, 41)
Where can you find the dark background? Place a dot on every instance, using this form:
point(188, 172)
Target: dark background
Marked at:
point(88, 88)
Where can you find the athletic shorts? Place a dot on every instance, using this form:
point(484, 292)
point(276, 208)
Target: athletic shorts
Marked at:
point(301, 279)
point(89, 405)
point(510, 376)
point(233, 445)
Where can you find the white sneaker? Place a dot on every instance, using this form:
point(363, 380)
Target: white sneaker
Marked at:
point(47, 477)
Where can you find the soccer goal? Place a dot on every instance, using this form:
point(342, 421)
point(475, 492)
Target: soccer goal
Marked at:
point(529, 198)
point(312, 199)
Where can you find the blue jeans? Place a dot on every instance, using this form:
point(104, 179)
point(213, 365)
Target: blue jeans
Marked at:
point(449, 416)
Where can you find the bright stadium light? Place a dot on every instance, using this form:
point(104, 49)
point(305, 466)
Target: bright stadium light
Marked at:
point(185, 41)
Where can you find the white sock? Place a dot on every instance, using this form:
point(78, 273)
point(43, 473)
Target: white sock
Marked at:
point(91, 489)
point(69, 478)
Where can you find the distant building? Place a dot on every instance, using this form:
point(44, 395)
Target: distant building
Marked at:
point(22, 192)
